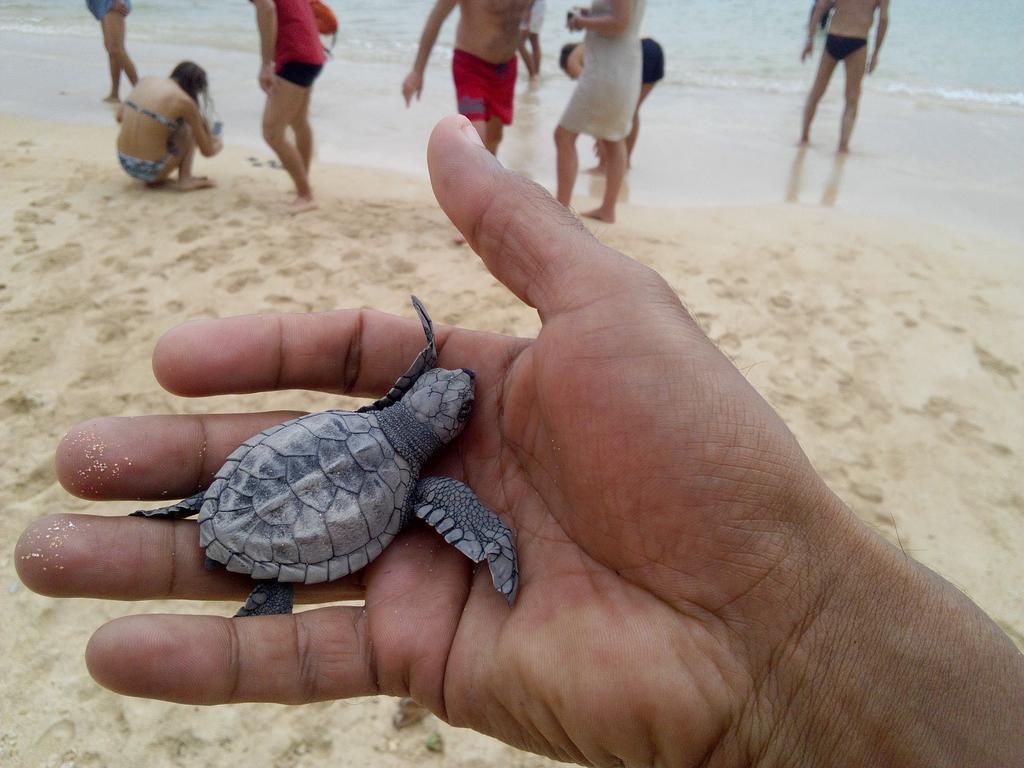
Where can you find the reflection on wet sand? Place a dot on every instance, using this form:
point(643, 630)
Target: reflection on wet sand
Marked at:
point(795, 172)
point(828, 197)
point(830, 193)
point(595, 186)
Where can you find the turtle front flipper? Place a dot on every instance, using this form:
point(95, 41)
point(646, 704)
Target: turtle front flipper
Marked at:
point(424, 361)
point(182, 509)
point(270, 597)
point(455, 512)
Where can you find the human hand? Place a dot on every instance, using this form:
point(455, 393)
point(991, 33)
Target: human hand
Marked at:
point(690, 591)
point(873, 63)
point(808, 50)
point(575, 20)
point(121, 7)
point(266, 76)
point(413, 84)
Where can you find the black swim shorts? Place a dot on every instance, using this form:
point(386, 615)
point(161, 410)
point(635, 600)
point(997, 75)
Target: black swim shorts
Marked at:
point(299, 73)
point(654, 61)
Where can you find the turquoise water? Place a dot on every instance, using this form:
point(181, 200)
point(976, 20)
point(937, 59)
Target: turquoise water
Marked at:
point(946, 49)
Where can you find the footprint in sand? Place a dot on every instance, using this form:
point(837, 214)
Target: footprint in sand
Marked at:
point(781, 302)
point(58, 259)
point(235, 281)
point(400, 266)
point(720, 289)
point(198, 259)
point(996, 365)
point(868, 492)
point(189, 234)
point(728, 342)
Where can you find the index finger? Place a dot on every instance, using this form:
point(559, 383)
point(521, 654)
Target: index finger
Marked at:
point(353, 352)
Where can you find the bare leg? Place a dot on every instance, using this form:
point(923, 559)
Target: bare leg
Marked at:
point(185, 151)
point(304, 132)
point(113, 26)
point(825, 69)
point(615, 163)
point(567, 163)
point(526, 55)
point(187, 147)
point(599, 169)
point(535, 44)
point(645, 89)
point(284, 103)
point(855, 64)
point(493, 132)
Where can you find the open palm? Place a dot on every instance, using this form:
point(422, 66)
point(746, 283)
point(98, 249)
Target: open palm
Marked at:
point(665, 517)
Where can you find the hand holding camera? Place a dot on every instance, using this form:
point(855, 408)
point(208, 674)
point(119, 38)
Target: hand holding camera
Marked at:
point(573, 19)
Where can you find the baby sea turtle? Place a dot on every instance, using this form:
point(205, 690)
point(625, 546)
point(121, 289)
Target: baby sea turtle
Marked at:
point(320, 496)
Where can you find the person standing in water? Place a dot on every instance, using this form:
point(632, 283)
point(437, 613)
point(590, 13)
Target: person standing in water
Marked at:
point(529, 42)
point(572, 63)
point(111, 15)
point(292, 58)
point(483, 65)
point(604, 102)
point(847, 42)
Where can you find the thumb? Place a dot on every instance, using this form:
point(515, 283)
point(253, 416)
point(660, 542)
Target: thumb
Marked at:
point(530, 242)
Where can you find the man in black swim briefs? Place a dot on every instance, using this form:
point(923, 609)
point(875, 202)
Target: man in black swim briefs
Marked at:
point(846, 42)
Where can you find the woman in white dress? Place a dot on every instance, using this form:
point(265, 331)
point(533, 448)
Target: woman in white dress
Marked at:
point(605, 97)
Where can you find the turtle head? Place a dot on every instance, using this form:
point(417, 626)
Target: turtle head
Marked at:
point(442, 400)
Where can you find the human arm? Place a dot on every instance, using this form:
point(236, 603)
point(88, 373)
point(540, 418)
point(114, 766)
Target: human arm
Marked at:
point(208, 144)
point(820, 7)
point(575, 62)
point(691, 591)
point(413, 83)
point(614, 23)
point(266, 22)
point(883, 25)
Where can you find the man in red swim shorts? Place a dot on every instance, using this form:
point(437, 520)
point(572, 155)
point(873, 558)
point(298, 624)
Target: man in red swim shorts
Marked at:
point(484, 64)
point(292, 58)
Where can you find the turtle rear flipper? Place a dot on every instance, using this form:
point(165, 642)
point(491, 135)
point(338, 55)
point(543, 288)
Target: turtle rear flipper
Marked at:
point(269, 598)
point(454, 511)
point(182, 509)
point(424, 361)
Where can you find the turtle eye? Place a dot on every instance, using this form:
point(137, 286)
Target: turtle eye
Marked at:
point(464, 412)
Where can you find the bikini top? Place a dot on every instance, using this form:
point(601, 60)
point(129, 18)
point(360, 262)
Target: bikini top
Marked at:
point(164, 121)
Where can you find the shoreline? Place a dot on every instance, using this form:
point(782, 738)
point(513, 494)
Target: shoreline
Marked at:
point(912, 157)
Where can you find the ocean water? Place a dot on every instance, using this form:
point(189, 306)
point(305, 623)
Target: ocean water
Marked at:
point(966, 53)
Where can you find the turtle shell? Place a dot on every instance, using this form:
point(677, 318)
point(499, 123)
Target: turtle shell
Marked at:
point(309, 500)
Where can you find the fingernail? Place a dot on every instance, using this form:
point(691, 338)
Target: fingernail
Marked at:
point(471, 133)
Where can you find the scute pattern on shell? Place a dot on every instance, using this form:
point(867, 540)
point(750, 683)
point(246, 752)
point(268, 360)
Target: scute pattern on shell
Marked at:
point(309, 500)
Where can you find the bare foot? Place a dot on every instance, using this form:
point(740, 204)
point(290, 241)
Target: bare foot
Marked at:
point(601, 215)
point(597, 170)
point(301, 205)
point(192, 183)
point(112, 99)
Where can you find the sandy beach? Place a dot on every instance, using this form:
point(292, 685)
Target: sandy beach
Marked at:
point(892, 346)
